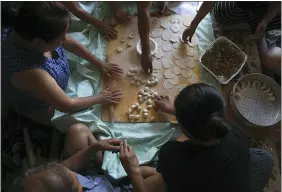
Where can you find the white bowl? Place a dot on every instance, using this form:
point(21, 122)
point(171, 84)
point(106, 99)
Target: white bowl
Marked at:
point(153, 47)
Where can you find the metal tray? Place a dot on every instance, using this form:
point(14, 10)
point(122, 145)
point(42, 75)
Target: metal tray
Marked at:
point(222, 81)
point(253, 106)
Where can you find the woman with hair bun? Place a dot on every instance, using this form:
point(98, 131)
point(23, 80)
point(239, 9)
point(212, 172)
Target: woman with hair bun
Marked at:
point(216, 157)
point(35, 70)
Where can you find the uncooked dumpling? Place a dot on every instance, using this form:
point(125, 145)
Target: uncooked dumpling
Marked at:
point(157, 64)
point(175, 28)
point(166, 47)
point(169, 74)
point(159, 53)
point(166, 34)
point(186, 73)
point(156, 33)
point(166, 63)
point(167, 85)
point(176, 70)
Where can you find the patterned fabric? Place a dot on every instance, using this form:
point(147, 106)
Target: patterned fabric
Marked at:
point(17, 57)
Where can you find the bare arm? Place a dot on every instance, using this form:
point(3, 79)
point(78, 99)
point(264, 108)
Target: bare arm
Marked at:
point(203, 11)
point(273, 10)
point(137, 181)
point(144, 25)
point(78, 49)
point(41, 85)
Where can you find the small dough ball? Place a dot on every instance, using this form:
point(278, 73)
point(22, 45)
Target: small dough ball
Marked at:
point(137, 104)
point(149, 102)
point(156, 94)
point(136, 117)
point(145, 111)
point(146, 89)
point(148, 83)
point(138, 83)
point(156, 81)
point(133, 106)
point(152, 83)
point(145, 115)
point(135, 78)
point(141, 100)
point(149, 107)
point(131, 70)
point(143, 82)
point(129, 74)
point(122, 40)
point(119, 49)
point(129, 111)
point(145, 98)
point(135, 70)
point(129, 44)
point(139, 108)
point(130, 116)
point(140, 96)
point(130, 35)
point(142, 92)
point(132, 82)
point(152, 78)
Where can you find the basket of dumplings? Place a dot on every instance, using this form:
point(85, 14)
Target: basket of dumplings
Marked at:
point(256, 100)
point(223, 59)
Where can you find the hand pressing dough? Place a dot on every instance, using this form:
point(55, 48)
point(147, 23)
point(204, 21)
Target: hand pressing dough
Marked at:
point(193, 78)
point(175, 28)
point(159, 54)
point(178, 54)
point(166, 34)
point(167, 85)
point(156, 33)
point(166, 63)
point(176, 70)
point(193, 42)
point(166, 47)
point(156, 64)
point(119, 49)
point(186, 73)
point(169, 74)
point(165, 24)
point(186, 23)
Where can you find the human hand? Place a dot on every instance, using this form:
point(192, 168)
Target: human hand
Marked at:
point(146, 62)
point(112, 69)
point(128, 158)
point(110, 96)
point(163, 8)
point(108, 31)
point(164, 104)
point(260, 30)
point(188, 33)
point(121, 17)
point(108, 145)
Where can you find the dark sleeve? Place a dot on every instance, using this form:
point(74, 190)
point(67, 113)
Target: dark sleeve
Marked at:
point(164, 156)
point(238, 132)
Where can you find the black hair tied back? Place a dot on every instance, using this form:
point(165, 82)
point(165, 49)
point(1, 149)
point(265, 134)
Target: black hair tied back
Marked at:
point(217, 124)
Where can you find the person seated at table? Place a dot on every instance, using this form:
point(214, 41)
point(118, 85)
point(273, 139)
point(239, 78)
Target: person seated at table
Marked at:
point(80, 150)
point(35, 70)
point(74, 8)
point(215, 155)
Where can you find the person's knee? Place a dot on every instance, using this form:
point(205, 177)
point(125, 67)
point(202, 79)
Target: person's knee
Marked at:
point(272, 59)
point(262, 158)
point(78, 129)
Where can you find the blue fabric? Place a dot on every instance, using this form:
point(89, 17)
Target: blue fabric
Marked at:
point(17, 57)
point(95, 184)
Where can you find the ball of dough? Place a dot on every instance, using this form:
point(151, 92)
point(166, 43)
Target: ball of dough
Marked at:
point(132, 82)
point(149, 102)
point(129, 74)
point(138, 83)
point(139, 108)
point(133, 106)
point(141, 100)
point(145, 98)
point(130, 116)
point(146, 89)
point(119, 49)
point(140, 96)
point(129, 44)
point(137, 104)
point(149, 107)
point(145, 115)
point(145, 110)
point(131, 70)
point(136, 117)
point(153, 119)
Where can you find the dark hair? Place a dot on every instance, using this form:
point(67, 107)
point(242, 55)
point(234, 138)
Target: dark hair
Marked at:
point(199, 109)
point(53, 176)
point(44, 20)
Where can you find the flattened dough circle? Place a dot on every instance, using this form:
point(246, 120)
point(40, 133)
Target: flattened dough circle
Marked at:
point(176, 70)
point(166, 34)
point(173, 81)
point(156, 33)
point(175, 20)
point(159, 42)
point(167, 85)
point(186, 73)
point(186, 23)
point(190, 53)
point(190, 63)
point(179, 45)
point(180, 63)
point(169, 74)
point(174, 38)
point(166, 47)
point(175, 28)
point(156, 64)
point(159, 54)
point(178, 54)
point(193, 78)
point(166, 63)
point(165, 24)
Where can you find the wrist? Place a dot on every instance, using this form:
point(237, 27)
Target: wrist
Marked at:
point(195, 22)
point(135, 171)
